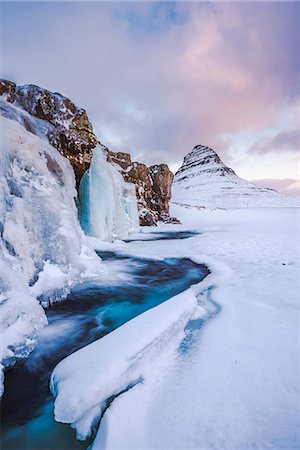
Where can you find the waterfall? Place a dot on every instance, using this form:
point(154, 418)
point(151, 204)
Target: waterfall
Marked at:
point(108, 203)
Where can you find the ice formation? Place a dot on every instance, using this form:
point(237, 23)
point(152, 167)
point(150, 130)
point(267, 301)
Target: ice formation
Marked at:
point(108, 203)
point(119, 360)
point(43, 249)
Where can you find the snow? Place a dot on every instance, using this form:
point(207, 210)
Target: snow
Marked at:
point(35, 125)
point(124, 356)
point(43, 249)
point(204, 180)
point(235, 385)
point(109, 207)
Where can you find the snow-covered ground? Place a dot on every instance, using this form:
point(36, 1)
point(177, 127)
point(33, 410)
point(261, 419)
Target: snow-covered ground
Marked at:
point(233, 382)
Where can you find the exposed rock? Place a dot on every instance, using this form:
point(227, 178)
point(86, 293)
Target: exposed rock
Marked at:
point(7, 88)
point(120, 158)
point(162, 179)
point(153, 187)
point(68, 127)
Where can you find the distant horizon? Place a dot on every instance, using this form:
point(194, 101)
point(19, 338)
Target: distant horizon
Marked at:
point(155, 84)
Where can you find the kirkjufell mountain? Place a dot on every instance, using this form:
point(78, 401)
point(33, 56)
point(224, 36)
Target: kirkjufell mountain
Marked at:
point(204, 180)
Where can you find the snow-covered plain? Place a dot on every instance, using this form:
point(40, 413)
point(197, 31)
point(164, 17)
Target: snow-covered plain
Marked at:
point(232, 383)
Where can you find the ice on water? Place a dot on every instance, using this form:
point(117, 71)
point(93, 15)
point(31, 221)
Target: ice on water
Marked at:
point(84, 381)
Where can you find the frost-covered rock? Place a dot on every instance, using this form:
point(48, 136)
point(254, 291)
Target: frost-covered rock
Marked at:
point(66, 126)
point(43, 249)
point(153, 187)
point(204, 180)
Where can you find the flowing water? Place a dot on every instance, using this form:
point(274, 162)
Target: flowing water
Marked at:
point(91, 310)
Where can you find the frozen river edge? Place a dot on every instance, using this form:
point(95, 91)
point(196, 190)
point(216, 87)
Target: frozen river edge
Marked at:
point(86, 383)
point(237, 386)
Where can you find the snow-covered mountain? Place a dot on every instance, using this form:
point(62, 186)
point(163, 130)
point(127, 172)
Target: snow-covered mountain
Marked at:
point(204, 180)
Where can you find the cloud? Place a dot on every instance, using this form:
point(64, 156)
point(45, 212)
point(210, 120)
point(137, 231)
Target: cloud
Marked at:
point(159, 78)
point(290, 187)
point(284, 141)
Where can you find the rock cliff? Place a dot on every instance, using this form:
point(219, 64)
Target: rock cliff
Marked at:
point(68, 129)
point(153, 187)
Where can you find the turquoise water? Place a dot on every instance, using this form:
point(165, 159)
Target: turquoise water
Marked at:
point(91, 311)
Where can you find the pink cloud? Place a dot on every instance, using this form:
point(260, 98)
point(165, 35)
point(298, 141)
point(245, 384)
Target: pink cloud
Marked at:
point(221, 68)
point(288, 187)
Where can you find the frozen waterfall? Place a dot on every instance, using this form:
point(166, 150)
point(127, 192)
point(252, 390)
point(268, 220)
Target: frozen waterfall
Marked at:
point(43, 249)
point(108, 203)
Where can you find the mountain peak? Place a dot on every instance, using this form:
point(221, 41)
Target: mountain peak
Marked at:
point(204, 180)
point(202, 159)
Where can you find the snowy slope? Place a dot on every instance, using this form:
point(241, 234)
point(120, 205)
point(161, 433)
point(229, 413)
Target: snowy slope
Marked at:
point(204, 180)
point(43, 249)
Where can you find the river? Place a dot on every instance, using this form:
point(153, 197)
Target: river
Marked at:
point(91, 310)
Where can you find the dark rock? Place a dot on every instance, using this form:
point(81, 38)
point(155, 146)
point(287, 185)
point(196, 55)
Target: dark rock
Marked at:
point(162, 179)
point(68, 127)
point(153, 187)
point(7, 88)
point(120, 158)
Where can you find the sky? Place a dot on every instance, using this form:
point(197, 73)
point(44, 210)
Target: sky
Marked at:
point(158, 78)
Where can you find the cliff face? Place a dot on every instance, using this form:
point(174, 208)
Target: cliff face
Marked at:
point(153, 187)
point(68, 129)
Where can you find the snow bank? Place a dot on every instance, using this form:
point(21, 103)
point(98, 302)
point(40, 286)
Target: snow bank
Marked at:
point(237, 386)
point(109, 206)
point(43, 249)
point(87, 380)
